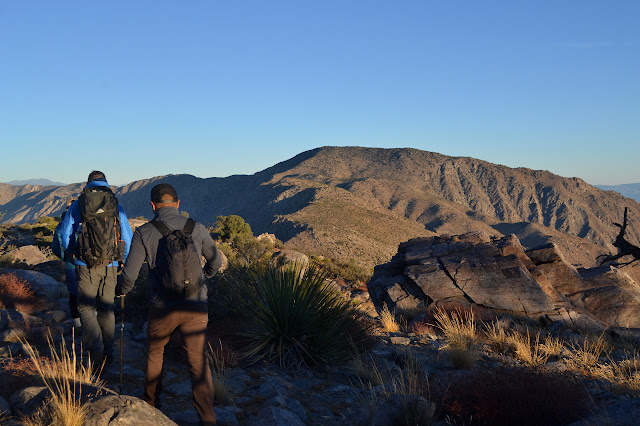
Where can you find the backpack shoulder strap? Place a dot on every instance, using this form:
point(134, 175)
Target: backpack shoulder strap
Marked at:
point(188, 227)
point(161, 227)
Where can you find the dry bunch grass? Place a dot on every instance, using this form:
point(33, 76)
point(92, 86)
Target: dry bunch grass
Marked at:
point(220, 361)
point(624, 375)
point(410, 383)
point(64, 375)
point(585, 357)
point(497, 339)
point(461, 334)
point(388, 320)
point(527, 350)
point(553, 346)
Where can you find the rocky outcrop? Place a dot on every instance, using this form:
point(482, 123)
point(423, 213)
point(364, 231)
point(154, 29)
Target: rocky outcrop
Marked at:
point(499, 274)
point(29, 255)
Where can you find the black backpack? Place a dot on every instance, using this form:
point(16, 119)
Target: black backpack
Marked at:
point(178, 264)
point(99, 240)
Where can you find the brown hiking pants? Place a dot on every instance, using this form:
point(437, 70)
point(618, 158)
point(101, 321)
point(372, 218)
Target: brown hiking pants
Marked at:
point(191, 322)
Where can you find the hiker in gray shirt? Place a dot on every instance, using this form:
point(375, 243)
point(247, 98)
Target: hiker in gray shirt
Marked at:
point(170, 311)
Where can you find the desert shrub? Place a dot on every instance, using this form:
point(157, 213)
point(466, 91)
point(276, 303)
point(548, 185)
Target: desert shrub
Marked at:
point(295, 318)
point(16, 293)
point(515, 396)
point(250, 251)
point(233, 226)
point(18, 373)
point(49, 222)
point(6, 260)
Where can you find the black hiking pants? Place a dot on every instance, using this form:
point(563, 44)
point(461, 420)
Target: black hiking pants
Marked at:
point(96, 294)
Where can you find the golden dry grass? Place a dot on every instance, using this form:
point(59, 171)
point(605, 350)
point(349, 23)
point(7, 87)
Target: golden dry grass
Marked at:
point(461, 334)
point(584, 358)
point(553, 346)
point(624, 375)
point(497, 339)
point(388, 320)
point(64, 375)
point(527, 350)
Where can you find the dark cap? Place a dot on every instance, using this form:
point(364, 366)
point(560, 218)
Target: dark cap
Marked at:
point(96, 175)
point(164, 193)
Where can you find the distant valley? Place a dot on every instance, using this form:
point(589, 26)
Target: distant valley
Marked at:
point(352, 203)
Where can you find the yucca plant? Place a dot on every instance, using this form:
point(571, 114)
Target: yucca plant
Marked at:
point(295, 318)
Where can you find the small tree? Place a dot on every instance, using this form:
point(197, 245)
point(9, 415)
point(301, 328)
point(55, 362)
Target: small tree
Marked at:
point(232, 227)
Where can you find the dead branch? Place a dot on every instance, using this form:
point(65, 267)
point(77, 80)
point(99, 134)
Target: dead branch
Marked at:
point(625, 248)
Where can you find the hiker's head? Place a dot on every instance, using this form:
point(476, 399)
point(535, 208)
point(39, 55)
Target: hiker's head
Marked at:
point(164, 195)
point(96, 175)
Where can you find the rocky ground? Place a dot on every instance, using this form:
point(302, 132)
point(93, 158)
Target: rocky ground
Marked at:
point(373, 389)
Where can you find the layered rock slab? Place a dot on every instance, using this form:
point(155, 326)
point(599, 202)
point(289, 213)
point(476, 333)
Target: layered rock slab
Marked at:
point(497, 273)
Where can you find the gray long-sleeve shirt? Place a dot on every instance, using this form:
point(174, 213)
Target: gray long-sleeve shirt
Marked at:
point(144, 247)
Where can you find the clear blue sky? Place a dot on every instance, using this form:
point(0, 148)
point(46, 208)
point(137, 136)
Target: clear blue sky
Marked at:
point(141, 88)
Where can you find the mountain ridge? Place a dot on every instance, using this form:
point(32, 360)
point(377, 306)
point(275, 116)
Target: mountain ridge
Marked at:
point(356, 203)
point(629, 190)
point(35, 181)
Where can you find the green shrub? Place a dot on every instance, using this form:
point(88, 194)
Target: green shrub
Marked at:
point(296, 318)
point(232, 227)
point(349, 271)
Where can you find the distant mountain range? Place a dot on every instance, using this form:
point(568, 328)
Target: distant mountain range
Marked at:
point(360, 203)
point(43, 182)
point(629, 190)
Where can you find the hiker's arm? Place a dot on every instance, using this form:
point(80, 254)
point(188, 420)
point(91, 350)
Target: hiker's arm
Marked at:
point(56, 244)
point(210, 253)
point(132, 266)
point(66, 226)
point(125, 231)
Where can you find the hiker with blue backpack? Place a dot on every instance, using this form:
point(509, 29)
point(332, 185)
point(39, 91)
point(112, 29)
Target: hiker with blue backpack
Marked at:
point(97, 232)
point(173, 246)
point(69, 269)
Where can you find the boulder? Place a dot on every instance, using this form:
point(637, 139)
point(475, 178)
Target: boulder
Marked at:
point(27, 401)
point(31, 255)
point(475, 269)
point(123, 410)
point(290, 256)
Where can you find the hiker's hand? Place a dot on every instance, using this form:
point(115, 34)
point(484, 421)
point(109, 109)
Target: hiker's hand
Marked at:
point(119, 292)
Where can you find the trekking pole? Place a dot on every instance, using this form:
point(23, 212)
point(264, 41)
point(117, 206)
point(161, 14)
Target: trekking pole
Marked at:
point(121, 337)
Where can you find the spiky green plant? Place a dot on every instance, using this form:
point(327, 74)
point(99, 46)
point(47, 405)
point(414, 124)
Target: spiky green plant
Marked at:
point(295, 318)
